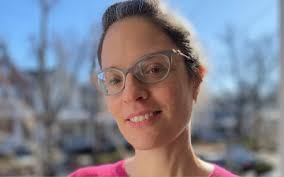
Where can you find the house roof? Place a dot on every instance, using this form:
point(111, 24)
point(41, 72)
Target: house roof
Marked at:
point(14, 108)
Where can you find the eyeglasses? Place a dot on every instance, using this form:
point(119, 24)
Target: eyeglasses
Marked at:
point(150, 69)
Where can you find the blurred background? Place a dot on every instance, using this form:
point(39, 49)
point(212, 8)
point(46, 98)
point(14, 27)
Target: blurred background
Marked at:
point(53, 120)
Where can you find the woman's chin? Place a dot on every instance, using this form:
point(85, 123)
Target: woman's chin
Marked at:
point(143, 146)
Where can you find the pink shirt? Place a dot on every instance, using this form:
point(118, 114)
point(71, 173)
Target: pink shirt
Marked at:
point(117, 170)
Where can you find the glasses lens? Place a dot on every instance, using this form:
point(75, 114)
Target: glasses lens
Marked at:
point(154, 68)
point(111, 81)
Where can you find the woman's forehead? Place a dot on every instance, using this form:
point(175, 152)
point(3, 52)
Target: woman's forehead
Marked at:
point(132, 38)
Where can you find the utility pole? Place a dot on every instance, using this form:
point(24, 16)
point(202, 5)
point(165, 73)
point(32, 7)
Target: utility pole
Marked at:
point(281, 96)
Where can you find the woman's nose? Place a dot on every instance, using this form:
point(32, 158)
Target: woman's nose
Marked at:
point(134, 90)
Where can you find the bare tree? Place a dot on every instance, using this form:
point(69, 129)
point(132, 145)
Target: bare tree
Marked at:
point(14, 75)
point(264, 68)
point(235, 71)
point(252, 66)
point(57, 84)
point(47, 116)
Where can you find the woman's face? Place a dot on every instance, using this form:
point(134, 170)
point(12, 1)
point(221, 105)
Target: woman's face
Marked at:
point(148, 115)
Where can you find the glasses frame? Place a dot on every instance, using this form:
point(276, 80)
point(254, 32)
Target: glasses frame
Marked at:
point(133, 69)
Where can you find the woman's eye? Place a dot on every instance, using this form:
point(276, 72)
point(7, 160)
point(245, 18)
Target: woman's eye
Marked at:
point(114, 81)
point(155, 69)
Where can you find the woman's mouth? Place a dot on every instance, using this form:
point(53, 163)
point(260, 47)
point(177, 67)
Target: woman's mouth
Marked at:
point(143, 120)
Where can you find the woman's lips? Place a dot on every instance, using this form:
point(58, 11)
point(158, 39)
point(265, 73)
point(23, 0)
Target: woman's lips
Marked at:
point(143, 119)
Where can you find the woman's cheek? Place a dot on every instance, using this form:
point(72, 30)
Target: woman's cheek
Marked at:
point(113, 107)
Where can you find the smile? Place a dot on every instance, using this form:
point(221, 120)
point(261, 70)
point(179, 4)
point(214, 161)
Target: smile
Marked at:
point(144, 119)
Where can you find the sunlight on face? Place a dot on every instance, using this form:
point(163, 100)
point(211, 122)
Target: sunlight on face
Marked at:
point(148, 115)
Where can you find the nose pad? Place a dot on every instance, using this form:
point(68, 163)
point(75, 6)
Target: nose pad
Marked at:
point(138, 77)
point(136, 73)
point(134, 89)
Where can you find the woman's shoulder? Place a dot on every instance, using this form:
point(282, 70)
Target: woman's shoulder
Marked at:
point(221, 172)
point(105, 170)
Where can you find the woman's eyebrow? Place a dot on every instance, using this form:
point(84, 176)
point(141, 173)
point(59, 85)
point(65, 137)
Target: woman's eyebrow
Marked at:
point(109, 67)
point(136, 60)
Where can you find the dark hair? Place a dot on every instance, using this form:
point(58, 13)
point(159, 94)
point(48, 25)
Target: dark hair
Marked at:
point(152, 10)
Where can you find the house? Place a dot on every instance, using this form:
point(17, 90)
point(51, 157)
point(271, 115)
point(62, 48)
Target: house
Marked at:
point(269, 128)
point(16, 122)
point(16, 115)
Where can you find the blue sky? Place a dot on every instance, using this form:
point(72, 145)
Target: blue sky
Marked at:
point(19, 21)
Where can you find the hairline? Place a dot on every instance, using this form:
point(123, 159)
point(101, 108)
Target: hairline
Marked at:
point(145, 18)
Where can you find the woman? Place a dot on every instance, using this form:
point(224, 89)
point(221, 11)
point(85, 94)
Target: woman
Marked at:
point(150, 76)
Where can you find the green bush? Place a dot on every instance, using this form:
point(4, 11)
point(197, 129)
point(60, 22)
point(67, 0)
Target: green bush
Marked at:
point(262, 167)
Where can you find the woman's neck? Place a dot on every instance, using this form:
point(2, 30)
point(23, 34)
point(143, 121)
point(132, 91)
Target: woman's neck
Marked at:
point(174, 159)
